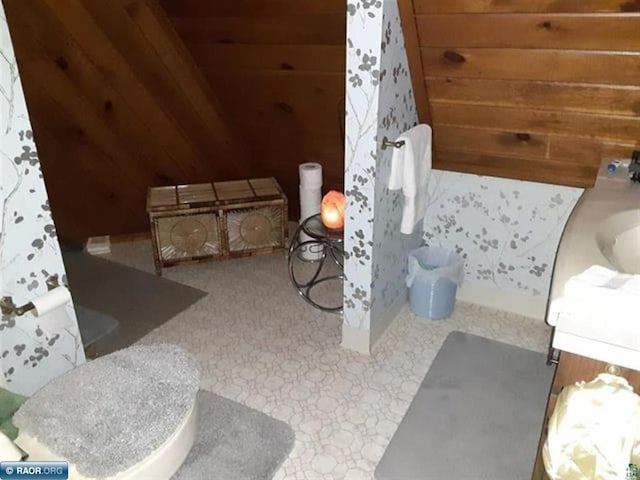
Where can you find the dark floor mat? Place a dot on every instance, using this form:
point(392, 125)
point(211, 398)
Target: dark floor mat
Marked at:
point(139, 301)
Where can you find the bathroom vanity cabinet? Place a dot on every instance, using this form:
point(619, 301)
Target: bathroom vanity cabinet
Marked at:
point(573, 368)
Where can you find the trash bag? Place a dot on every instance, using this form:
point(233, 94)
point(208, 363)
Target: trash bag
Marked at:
point(433, 277)
point(594, 431)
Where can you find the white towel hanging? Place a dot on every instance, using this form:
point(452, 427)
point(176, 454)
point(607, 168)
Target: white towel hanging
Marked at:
point(410, 169)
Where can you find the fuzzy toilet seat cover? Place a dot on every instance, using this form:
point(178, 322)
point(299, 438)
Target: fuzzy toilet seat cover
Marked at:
point(129, 414)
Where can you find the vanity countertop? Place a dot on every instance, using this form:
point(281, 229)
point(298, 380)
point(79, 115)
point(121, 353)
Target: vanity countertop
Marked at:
point(612, 205)
point(579, 248)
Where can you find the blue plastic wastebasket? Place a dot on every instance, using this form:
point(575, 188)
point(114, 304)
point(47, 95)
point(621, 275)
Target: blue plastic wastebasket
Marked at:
point(433, 279)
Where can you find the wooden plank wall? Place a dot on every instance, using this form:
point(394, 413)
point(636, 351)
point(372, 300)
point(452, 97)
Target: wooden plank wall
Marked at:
point(278, 67)
point(531, 89)
point(117, 105)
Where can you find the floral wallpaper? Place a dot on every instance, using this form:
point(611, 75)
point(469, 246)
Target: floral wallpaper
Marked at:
point(396, 114)
point(506, 230)
point(379, 102)
point(32, 350)
point(364, 26)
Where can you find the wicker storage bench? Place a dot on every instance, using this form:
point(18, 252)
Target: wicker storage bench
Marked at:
point(215, 221)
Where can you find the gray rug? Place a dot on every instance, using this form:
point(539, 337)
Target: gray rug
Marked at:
point(235, 442)
point(139, 301)
point(477, 415)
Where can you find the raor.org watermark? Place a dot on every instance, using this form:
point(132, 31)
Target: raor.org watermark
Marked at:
point(34, 470)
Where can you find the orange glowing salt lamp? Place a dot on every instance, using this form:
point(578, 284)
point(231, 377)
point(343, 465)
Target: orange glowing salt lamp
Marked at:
point(332, 212)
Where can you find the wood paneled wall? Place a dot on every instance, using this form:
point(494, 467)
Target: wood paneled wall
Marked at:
point(531, 89)
point(278, 67)
point(117, 105)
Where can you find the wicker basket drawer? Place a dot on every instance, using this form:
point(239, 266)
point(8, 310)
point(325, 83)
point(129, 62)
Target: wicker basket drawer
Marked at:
point(213, 221)
point(186, 237)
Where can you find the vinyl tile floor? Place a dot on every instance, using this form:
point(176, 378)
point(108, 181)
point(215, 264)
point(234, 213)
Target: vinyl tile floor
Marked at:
point(260, 344)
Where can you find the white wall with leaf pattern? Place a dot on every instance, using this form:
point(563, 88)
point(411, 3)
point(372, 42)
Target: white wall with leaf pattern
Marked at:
point(31, 351)
point(506, 230)
point(379, 103)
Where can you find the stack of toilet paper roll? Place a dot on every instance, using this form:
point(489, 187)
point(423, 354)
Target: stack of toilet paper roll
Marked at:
point(310, 201)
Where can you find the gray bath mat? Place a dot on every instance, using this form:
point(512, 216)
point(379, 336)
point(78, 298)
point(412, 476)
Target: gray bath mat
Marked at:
point(477, 415)
point(235, 442)
point(139, 301)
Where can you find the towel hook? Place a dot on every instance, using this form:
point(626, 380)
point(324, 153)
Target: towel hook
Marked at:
point(386, 143)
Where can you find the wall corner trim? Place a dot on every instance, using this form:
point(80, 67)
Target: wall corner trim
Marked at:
point(355, 339)
point(530, 306)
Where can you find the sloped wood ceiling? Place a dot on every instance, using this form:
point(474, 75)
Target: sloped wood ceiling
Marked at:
point(278, 68)
point(531, 89)
point(117, 105)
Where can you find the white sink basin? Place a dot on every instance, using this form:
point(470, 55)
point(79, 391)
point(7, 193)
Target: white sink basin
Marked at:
point(619, 241)
point(603, 229)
